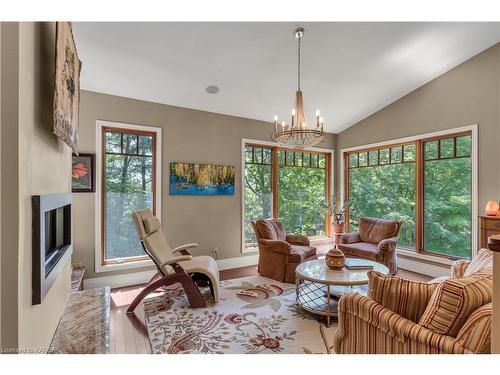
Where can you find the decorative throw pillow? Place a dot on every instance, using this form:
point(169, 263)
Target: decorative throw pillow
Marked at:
point(406, 298)
point(454, 300)
point(475, 335)
point(483, 260)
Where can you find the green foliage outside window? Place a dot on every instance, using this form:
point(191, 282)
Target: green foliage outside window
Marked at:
point(301, 187)
point(386, 192)
point(299, 191)
point(128, 188)
point(258, 198)
point(447, 207)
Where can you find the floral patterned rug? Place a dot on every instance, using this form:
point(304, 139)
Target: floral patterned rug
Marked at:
point(254, 315)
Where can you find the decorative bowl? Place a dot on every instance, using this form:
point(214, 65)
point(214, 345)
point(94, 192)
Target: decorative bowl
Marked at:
point(335, 259)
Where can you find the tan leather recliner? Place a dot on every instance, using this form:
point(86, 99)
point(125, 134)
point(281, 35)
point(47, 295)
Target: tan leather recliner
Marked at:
point(280, 253)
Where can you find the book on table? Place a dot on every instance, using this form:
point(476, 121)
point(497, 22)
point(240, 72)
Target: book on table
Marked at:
point(358, 264)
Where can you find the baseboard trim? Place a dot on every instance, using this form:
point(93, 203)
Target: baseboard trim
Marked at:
point(229, 263)
point(423, 268)
point(119, 281)
point(137, 278)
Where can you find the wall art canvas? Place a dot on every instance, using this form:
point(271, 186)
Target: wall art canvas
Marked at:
point(201, 179)
point(83, 173)
point(66, 87)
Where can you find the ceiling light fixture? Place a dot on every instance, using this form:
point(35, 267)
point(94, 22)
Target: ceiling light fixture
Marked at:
point(297, 134)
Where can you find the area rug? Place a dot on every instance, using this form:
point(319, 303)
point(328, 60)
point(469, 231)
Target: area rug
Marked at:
point(254, 315)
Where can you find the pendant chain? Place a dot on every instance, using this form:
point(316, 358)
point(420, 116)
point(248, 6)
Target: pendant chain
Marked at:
point(298, 70)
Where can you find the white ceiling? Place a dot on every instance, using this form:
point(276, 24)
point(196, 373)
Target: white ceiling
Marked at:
point(349, 70)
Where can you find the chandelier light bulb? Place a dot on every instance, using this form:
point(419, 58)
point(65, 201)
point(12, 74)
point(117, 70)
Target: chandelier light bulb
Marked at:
point(275, 118)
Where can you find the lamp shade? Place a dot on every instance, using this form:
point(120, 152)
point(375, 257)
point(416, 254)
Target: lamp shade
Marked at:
point(492, 208)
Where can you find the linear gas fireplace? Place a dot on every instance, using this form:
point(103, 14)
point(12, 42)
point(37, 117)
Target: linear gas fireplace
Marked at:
point(51, 240)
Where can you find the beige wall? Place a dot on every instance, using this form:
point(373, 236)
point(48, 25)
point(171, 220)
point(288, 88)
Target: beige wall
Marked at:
point(187, 135)
point(45, 167)
point(495, 328)
point(37, 163)
point(0, 184)
point(495, 345)
point(467, 94)
point(10, 183)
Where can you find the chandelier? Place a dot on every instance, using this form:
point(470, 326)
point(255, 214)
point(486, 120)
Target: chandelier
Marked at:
point(297, 134)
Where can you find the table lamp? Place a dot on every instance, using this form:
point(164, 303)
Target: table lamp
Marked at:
point(492, 208)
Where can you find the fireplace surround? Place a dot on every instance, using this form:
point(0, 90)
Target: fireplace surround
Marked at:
point(51, 241)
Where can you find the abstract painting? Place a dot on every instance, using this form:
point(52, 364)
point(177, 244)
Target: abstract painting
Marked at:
point(66, 87)
point(83, 173)
point(201, 179)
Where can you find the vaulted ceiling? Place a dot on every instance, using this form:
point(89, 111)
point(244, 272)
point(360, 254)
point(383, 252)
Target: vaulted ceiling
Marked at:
point(349, 70)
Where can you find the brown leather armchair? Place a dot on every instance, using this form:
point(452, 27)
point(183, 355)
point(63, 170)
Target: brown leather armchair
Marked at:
point(376, 240)
point(280, 253)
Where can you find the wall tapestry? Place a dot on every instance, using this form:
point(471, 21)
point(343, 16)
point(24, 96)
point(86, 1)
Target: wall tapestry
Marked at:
point(201, 179)
point(83, 173)
point(66, 87)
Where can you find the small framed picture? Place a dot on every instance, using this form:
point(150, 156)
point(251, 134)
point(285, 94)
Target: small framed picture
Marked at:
point(83, 173)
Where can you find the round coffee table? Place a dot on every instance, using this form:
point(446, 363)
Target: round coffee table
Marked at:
point(318, 287)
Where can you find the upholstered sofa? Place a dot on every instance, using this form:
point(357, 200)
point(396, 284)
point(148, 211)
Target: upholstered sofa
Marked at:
point(448, 315)
point(280, 253)
point(376, 240)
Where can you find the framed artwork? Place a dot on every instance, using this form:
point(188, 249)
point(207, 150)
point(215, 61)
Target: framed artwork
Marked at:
point(66, 87)
point(83, 173)
point(201, 179)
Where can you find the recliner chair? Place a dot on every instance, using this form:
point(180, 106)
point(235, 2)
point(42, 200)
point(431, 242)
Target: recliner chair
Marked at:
point(174, 266)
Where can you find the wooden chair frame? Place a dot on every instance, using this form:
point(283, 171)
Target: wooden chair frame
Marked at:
point(160, 279)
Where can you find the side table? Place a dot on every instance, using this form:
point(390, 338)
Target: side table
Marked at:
point(494, 243)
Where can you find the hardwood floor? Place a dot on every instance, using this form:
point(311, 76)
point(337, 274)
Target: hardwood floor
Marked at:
point(128, 333)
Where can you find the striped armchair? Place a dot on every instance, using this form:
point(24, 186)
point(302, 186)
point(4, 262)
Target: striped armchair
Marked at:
point(407, 317)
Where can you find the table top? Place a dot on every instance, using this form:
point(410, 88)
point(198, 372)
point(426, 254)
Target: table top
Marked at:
point(318, 271)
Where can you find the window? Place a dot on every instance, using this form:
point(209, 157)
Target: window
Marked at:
point(426, 183)
point(258, 189)
point(288, 185)
point(128, 183)
point(447, 194)
point(384, 187)
point(301, 185)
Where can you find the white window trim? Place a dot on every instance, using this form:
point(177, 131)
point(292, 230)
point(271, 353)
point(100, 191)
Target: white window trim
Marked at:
point(111, 124)
point(273, 144)
point(474, 162)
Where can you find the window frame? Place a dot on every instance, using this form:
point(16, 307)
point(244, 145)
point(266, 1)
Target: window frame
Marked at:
point(419, 141)
point(102, 264)
point(421, 188)
point(329, 162)
point(390, 146)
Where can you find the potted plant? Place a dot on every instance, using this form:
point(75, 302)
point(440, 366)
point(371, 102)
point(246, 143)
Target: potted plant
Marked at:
point(337, 209)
